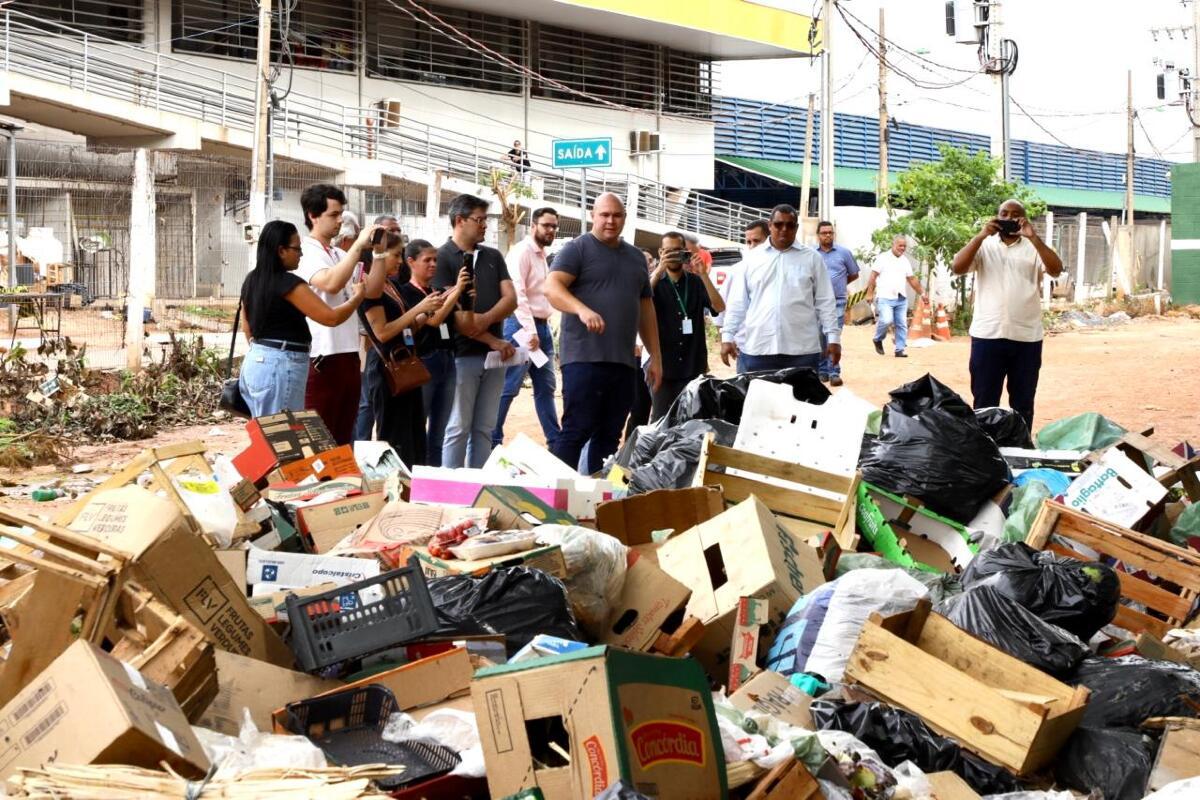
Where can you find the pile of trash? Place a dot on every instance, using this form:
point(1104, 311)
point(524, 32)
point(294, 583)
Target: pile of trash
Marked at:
point(773, 592)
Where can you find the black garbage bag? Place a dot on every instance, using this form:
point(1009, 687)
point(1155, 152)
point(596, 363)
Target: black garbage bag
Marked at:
point(1006, 427)
point(931, 446)
point(998, 620)
point(519, 602)
point(1079, 596)
point(667, 458)
point(900, 736)
point(716, 398)
point(1116, 761)
point(1125, 691)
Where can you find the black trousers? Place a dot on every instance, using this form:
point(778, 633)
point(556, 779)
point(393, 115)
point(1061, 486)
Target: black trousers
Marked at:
point(639, 413)
point(994, 361)
point(596, 401)
point(666, 394)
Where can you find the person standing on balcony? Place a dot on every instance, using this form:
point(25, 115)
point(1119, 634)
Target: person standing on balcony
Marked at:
point(843, 269)
point(1008, 258)
point(886, 286)
point(334, 377)
point(780, 304)
point(601, 285)
point(518, 158)
point(527, 267)
point(680, 300)
point(478, 326)
point(279, 309)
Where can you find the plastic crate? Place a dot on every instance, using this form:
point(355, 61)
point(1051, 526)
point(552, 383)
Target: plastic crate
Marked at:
point(348, 727)
point(353, 621)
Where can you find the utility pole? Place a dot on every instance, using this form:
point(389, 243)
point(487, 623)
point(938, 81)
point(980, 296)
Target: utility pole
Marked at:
point(881, 195)
point(1195, 77)
point(826, 194)
point(1129, 113)
point(262, 121)
point(806, 175)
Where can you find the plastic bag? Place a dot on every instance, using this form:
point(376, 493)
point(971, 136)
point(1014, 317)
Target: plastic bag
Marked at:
point(716, 398)
point(931, 447)
point(1116, 761)
point(1127, 690)
point(621, 791)
point(666, 458)
point(821, 629)
point(1187, 526)
point(1027, 502)
point(518, 602)
point(450, 727)
point(1079, 596)
point(1057, 482)
point(941, 586)
point(1088, 431)
point(595, 572)
point(253, 749)
point(1006, 427)
point(897, 736)
point(1186, 789)
point(998, 620)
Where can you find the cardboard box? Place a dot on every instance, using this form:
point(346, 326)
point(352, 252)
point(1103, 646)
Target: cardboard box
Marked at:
point(648, 598)
point(272, 606)
point(262, 688)
point(1115, 490)
point(618, 715)
point(89, 708)
point(523, 457)
point(460, 487)
point(234, 562)
point(993, 704)
point(323, 466)
point(515, 509)
point(177, 566)
point(912, 536)
point(379, 463)
point(266, 569)
point(743, 552)
point(548, 559)
point(324, 525)
point(401, 524)
point(279, 438)
point(770, 693)
point(633, 519)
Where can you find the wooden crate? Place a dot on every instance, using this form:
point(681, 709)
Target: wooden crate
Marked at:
point(1180, 470)
point(800, 511)
point(993, 704)
point(1167, 561)
point(790, 780)
point(163, 463)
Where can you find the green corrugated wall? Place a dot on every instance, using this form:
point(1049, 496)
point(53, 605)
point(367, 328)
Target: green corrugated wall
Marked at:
point(1185, 224)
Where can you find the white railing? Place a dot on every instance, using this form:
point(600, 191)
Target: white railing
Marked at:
point(51, 51)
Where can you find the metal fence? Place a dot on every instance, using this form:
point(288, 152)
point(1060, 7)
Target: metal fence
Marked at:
point(1098, 253)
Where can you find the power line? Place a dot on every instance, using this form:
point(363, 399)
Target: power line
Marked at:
point(1146, 133)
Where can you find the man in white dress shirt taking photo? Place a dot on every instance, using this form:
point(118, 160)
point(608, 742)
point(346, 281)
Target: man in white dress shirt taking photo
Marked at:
point(780, 303)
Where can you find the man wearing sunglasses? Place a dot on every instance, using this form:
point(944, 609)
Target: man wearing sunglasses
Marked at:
point(781, 302)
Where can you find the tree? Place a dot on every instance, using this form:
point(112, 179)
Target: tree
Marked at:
point(948, 201)
point(508, 188)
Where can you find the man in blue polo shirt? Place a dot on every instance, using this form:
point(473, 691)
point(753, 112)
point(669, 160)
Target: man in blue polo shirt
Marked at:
point(843, 269)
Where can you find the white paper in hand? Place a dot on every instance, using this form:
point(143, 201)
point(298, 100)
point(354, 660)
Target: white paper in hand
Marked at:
point(536, 357)
point(493, 361)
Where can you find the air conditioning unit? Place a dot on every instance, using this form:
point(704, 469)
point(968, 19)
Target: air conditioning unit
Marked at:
point(389, 112)
point(966, 19)
point(644, 142)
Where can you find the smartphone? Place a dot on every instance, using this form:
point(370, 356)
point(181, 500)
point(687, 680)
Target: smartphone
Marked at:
point(377, 237)
point(1009, 227)
point(467, 302)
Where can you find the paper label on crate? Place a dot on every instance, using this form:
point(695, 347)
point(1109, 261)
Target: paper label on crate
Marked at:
point(665, 741)
point(168, 738)
point(134, 676)
point(597, 766)
point(1115, 489)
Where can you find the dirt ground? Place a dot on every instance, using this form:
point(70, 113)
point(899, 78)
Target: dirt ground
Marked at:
point(1140, 374)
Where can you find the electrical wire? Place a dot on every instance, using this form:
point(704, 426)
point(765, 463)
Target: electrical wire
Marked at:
point(1043, 128)
point(1146, 133)
point(893, 67)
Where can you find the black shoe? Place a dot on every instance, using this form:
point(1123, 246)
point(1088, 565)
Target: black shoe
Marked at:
point(824, 378)
point(878, 346)
point(901, 354)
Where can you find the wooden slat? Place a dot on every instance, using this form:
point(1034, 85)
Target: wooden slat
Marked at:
point(778, 499)
point(16, 518)
point(1155, 560)
point(1137, 621)
point(783, 470)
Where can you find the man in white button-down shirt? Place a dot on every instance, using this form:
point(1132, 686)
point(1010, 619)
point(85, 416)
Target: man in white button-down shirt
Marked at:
point(780, 303)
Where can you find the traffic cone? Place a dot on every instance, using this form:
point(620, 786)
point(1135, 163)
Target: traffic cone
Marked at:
point(942, 332)
point(919, 327)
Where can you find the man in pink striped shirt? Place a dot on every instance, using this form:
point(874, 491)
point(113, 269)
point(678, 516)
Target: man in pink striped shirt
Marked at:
point(527, 267)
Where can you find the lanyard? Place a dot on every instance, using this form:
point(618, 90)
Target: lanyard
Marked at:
point(682, 301)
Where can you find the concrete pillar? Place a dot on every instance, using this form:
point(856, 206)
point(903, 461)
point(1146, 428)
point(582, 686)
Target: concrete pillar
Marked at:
point(142, 254)
point(1079, 256)
point(433, 204)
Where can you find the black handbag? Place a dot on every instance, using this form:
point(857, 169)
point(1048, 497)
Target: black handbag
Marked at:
point(231, 393)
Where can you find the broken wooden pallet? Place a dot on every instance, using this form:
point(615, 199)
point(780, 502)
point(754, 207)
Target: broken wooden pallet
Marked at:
point(1137, 550)
point(786, 489)
point(790, 780)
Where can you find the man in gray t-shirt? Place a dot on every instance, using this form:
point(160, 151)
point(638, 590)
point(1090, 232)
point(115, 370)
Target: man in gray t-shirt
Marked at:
point(601, 285)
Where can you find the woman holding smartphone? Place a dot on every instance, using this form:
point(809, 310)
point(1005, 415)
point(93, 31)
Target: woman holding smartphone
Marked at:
point(435, 343)
point(400, 419)
point(277, 304)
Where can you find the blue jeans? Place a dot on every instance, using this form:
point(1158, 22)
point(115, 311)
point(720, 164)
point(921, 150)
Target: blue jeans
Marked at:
point(364, 424)
point(543, 384)
point(476, 404)
point(828, 368)
point(273, 380)
point(596, 400)
point(749, 363)
point(438, 396)
point(892, 311)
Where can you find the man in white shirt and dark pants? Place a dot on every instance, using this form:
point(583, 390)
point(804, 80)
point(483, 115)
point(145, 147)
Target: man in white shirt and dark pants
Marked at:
point(1008, 259)
point(779, 304)
point(886, 288)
